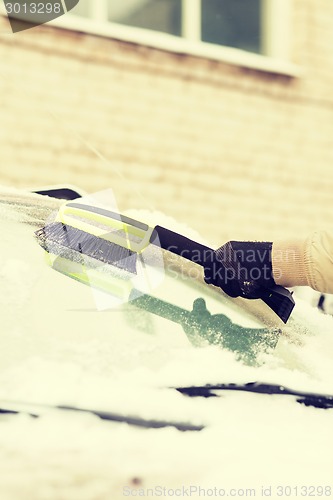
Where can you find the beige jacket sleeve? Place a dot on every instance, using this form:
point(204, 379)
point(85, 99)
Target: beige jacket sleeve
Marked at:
point(305, 262)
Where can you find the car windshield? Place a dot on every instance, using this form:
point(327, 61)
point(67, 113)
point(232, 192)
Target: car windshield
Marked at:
point(52, 317)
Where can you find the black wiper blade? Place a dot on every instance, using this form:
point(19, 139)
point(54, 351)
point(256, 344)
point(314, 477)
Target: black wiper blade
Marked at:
point(37, 410)
point(316, 400)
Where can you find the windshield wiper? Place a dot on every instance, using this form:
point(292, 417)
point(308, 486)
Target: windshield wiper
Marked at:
point(35, 410)
point(317, 400)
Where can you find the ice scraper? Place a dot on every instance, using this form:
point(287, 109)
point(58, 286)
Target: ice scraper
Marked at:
point(103, 237)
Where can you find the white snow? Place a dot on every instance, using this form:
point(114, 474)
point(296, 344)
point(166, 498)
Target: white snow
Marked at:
point(57, 348)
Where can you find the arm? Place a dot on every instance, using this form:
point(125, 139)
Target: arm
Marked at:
point(305, 262)
point(253, 269)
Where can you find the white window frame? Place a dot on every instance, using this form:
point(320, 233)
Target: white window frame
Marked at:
point(277, 15)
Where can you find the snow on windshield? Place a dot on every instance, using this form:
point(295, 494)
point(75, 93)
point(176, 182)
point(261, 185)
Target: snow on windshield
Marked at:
point(57, 348)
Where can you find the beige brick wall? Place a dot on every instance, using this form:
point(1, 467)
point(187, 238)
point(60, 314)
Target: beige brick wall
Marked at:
point(233, 152)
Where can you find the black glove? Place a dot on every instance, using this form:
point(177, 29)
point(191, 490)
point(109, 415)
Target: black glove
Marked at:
point(242, 269)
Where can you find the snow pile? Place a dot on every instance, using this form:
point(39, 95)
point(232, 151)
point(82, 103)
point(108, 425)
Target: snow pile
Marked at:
point(56, 348)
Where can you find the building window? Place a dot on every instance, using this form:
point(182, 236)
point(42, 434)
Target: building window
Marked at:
point(241, 24)
point(234, 23)
point(157, 15)
point(249, 33)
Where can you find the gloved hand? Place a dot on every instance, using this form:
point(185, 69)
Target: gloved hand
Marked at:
point(242, 269)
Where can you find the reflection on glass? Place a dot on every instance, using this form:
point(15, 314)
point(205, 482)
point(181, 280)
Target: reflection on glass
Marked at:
point(157, 15)
point(201, 326)
point(235, 23)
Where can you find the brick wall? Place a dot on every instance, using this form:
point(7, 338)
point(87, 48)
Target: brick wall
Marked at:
point(233, 152)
